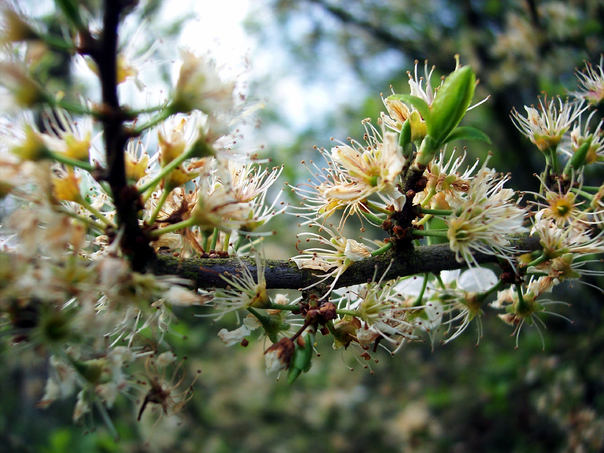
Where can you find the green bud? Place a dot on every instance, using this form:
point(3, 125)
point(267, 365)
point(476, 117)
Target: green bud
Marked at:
point(451, 103)
point(302, 359)
point(91, 370)
point(578, 159)
point(293, 374)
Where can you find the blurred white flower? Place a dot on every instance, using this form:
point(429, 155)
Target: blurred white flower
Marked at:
point(546, 125)
point(199, 86)
point(233, 337)
point(591, 81)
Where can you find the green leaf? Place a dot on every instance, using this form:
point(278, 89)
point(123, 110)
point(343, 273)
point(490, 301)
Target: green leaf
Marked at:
point(420, 105)
point(467, 133)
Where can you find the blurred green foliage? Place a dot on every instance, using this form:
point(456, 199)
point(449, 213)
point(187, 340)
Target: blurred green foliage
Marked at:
point(459, 397)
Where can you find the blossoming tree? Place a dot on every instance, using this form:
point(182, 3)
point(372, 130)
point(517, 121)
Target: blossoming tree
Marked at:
point(120, 214)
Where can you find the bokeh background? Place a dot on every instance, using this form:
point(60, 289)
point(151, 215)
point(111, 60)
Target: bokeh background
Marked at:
point(318, 67)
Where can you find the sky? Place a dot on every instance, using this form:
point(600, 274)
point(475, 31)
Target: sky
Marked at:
point(219, 26)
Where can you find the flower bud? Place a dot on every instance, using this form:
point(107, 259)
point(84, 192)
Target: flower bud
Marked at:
point(278, 357)
point(451, 103)
point(405, 140)
point(580, 156)
point(302, 358)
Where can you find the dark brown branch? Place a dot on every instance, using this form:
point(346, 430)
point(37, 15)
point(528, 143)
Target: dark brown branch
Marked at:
point(284, 274)
point(126, 198)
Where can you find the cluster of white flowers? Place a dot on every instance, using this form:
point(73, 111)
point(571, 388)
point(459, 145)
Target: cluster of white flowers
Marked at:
point(480, 216)
point(354, 173)
point(66, 283)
